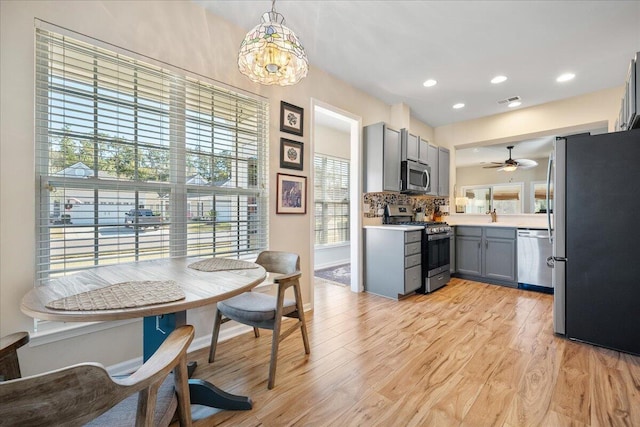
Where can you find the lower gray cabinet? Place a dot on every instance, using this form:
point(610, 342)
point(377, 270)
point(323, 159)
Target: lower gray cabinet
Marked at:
point(469, 255)
point(393, 261)
point(487, 254)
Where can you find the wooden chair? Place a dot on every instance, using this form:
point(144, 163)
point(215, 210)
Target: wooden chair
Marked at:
point(266, 311)
point(86, 393)
point(9, 364)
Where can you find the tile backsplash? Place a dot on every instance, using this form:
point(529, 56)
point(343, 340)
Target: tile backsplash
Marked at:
point(377, 202)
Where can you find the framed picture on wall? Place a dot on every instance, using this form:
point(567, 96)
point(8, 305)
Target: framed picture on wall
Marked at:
point(292, 194)
point(291, 154)
point(291, 118)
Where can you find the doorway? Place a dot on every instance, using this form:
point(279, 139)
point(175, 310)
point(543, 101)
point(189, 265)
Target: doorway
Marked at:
point(336, 142)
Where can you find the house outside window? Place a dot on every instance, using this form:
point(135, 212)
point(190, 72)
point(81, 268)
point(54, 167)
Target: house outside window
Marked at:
point(136, 161)
point(331, 200)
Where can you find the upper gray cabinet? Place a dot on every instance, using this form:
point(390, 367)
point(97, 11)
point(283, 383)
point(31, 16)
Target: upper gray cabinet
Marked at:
point(423, 151)
point(443, 172)
point(433, 162)
point(382, 156)
point(410, 146)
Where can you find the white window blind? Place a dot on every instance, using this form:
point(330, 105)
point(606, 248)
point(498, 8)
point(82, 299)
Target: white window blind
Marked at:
point(331, 200)
point(135, 161)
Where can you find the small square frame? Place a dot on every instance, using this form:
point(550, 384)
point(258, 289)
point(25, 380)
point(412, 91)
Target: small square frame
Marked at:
point(291, 154)
point(291, 118)
point(291, 194)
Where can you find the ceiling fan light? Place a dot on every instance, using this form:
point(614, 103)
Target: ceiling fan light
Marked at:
point(272, 54)
point(509, 168)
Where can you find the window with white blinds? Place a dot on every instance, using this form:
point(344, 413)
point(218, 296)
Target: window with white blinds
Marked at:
point(135, 161)
point(331, 200)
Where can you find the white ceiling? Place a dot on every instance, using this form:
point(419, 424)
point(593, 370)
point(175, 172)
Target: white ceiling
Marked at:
point(389, 48)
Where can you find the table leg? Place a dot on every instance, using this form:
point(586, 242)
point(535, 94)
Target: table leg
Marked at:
point(155, 330)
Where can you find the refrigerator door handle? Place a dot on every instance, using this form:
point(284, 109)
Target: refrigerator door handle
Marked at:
point(549, 167)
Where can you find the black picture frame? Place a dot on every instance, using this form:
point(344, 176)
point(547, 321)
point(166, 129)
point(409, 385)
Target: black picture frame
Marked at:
point(291, 118)
point(291, 154)
point(291, 195)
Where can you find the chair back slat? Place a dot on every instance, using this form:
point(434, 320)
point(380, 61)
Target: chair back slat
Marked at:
point(279, 262)
point(71, 396)
point(77, 394)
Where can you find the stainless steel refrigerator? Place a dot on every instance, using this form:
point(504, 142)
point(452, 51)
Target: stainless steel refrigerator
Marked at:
point(596, 239)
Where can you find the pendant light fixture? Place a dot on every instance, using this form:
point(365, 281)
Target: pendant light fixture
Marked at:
point(271, 53)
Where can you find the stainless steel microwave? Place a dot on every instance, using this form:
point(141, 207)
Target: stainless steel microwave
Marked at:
point(416, 177)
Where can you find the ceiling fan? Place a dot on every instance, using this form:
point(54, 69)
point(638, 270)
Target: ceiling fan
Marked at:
point(510, 164)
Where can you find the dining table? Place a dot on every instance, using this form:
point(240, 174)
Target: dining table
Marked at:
point(160, 291)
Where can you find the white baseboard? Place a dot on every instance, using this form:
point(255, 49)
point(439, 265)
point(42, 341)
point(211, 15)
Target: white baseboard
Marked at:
point(233, 330)
point(228, 331)
point(332, 264)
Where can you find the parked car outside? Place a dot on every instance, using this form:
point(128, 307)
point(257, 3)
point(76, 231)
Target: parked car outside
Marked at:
point(142, 218)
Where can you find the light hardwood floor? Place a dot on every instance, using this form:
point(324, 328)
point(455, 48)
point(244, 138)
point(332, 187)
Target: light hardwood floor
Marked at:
point(469, 354)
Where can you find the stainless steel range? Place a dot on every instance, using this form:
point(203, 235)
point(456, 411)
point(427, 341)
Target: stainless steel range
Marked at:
point(436, 242)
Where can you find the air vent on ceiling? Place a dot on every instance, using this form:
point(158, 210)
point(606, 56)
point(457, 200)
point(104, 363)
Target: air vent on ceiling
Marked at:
point(508, 100)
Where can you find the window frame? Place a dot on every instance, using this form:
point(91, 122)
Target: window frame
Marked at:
point(254, 191)
point(491, 189)
point(326, 205)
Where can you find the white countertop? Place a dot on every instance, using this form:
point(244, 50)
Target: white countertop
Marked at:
point(396, 227)
point(516, 221)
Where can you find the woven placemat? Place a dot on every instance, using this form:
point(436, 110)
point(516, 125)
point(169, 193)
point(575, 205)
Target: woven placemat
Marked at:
point(220, 264)
point(121, 295)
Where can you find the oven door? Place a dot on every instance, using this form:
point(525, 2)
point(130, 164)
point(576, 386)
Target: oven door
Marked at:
point(438, 258)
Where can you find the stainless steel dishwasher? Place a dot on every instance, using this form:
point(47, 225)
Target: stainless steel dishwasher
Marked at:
point(533, 249)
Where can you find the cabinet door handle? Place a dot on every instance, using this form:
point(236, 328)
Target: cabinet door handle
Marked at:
point(486, 243)
point(479, 244)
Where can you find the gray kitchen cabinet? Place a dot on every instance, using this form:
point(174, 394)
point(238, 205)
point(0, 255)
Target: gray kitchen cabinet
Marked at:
point(452, 251)
point(393, 261)
point(469, 250)
point(423, 151)
point(443, 172)
point(433, 163)
point(487, 254)
point(410, 145)
point(382, 154)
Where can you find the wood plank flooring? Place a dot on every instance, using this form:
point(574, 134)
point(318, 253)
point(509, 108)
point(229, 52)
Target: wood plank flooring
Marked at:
point(470, 354)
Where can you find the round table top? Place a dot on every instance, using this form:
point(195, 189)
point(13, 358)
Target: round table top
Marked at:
point(200, 288)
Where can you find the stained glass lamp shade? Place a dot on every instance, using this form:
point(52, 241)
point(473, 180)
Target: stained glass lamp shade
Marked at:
point(272, 54)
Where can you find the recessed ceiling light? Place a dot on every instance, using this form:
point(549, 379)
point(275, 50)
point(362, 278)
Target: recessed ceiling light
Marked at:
point(459, 105)
point(498, 79)
point(429, 83)
point(565, 77)
point(514, 104)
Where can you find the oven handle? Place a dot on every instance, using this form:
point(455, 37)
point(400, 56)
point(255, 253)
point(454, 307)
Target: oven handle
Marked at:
point(439, 236)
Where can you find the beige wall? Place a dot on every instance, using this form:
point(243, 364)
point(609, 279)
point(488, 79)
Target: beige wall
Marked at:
point(572, 115)
point(332, 142)
point(180, 33)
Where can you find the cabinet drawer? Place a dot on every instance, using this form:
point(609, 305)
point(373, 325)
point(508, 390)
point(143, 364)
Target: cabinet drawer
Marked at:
point(412, 260)
point(468, 231)
point(412, 248)
point(500, 233)
point(412, 279)
point(413, 236)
